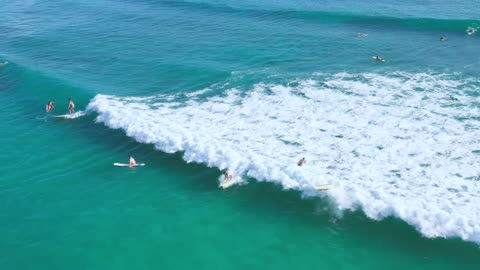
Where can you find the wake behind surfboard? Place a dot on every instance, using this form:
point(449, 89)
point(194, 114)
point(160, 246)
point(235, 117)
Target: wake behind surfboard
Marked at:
point(70, 115)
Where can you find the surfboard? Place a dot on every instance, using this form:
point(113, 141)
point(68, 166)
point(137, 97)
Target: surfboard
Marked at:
point(126, 165)
point(234, 181)
point(324, 187)
point(471, 31)
point(70, 115)
point(383, 60)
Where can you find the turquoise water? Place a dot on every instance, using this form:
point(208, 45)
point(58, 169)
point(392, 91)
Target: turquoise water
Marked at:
point(195, 87)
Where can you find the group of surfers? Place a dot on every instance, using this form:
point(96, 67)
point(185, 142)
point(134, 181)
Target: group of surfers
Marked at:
point(470, 31)
point(71, 106)
point(227, 175)
point(71, 109)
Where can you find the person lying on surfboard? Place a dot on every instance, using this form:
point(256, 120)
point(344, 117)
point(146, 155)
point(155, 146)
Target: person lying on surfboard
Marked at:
point(71, 106)
point(132, 162)
point(302, 162)
point(49, 106)
point(378, 58)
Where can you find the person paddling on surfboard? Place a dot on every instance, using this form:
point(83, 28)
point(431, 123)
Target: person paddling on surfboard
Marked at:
point(302, 162)
point(71, 106)
point(378, 58)
point(49, 106)
point(132, 162)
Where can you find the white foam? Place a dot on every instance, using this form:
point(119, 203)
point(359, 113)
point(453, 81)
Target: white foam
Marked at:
point(395, 144)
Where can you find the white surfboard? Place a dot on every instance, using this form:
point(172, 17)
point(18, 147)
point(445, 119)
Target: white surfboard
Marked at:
point(231, 182)
point(70, 115)
point(127, 165)
point(471, 30)
point(383, 60)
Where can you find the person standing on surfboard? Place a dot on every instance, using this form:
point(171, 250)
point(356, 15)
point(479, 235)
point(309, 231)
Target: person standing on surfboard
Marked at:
point(227, 176)
point(71, 106)
point(49, 106)
point(132, 162)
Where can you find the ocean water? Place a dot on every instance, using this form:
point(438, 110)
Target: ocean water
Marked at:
point(192, 88)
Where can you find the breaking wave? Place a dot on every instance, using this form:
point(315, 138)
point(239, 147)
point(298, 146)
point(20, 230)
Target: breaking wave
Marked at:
point(395, 145)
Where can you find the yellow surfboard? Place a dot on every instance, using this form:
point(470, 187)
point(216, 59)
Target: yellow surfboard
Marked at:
point(324, 187)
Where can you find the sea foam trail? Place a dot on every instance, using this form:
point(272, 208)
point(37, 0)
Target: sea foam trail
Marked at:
point(395, 144)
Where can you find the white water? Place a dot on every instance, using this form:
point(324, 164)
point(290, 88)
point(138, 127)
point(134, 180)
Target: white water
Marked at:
point(395, 144)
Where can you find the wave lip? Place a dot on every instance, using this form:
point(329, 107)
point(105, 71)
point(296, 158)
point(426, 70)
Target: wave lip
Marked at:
point(395, 144)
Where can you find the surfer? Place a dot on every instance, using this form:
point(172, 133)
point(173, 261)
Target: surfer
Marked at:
point(442, 38)
point(453, 98)
point(471, 30)
point(49, 106)
point(71, 106)
point(302, 162)
point(378, 58)
point(132, 162)
point(227, 176)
